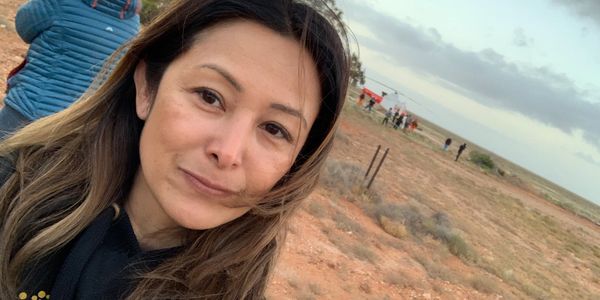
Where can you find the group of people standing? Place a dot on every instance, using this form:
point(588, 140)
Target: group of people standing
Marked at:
point(405, 121)
point(461, 148)
point(400, 120)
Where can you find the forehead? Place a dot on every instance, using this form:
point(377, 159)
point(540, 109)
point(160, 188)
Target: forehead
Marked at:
point(260, 59)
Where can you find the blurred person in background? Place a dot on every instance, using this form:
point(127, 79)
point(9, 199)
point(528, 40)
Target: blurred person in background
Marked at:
point(69, 42)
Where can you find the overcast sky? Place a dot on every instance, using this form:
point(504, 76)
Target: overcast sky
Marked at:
point(521, 78)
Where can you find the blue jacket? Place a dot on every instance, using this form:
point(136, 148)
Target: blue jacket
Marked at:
point(70, 40)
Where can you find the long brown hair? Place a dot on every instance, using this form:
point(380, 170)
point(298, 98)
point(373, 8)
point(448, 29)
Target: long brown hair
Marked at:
point(71, 166)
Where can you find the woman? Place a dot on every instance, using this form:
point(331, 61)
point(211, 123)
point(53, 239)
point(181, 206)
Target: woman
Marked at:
point(176, 176)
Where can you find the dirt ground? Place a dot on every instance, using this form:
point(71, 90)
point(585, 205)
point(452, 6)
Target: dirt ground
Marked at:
point(13, 49)
point(523, 246)
point(516, 259)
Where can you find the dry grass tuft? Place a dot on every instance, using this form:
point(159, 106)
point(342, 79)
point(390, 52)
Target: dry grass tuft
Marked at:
point(316, 209)
point(341, 177)
point(400, 279)
point(346, 224)
point(484, 285)
point(362, 252)
point(392, 227)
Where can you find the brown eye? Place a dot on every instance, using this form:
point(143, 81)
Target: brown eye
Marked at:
point(277, 131)
point(210, 97)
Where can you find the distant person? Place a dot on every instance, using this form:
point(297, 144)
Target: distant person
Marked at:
point(70, 40)
point(361, 99)
point(461, 148)
point(414, 124)
point(398, 122)
point(447, 144)
point(396, 116)
point(388, 114)
point(370, 105)
point(406, 122)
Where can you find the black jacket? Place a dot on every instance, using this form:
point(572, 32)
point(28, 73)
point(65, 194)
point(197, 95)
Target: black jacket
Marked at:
point(100, 263)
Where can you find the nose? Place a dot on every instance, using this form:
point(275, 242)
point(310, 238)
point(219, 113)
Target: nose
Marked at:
point(227, 147)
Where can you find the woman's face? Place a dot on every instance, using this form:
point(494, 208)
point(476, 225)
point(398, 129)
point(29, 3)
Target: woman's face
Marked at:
point(229, 118)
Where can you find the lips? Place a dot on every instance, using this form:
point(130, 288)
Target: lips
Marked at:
point(203, 185)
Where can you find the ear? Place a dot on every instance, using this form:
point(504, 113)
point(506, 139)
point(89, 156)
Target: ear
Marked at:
point(143, 102)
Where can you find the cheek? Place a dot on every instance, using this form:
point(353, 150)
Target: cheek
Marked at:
point(266, 172)
point(169, 128)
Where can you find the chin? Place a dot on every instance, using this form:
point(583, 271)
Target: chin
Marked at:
point(201, 217)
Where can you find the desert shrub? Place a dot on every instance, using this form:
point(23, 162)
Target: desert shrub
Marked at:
point(389, 210)
point(484, 285)
point(483, 160)
point(346, 180)
point(407, 215)
point(439, 226)
point(458, 247)
point(400, 279)
point(567, 205)
point(441, 219)
point(367, 197)
point(436, 270)
point(342, 138)
point(392, 227)
point(533, 291)
point(344, 223)
point(455, 243)
point(316, 209)
point(396, 220)
point(341, 177)
point(362, 252)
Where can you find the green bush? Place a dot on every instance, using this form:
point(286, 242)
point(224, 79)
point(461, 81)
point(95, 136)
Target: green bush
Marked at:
point(458, 247)
point(483, 160)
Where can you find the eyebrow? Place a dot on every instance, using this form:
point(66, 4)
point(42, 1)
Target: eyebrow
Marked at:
point(225, 75)
point(277, 106)
point(291, 111)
